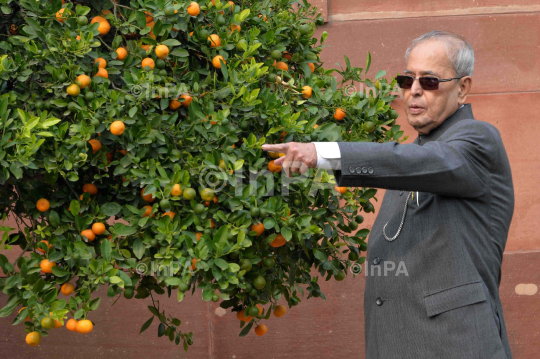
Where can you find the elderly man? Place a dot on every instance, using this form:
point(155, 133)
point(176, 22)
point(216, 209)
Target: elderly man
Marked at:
point(445, 215)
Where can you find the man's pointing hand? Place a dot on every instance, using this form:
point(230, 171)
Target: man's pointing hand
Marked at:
point(299, 157)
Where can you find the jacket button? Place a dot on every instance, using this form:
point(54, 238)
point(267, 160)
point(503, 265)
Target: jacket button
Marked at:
point(358, 170)
point(351, 169)
point(370, 170)
point(376, 261)
point(401, 193)
point(364, 169)
point(379, 301)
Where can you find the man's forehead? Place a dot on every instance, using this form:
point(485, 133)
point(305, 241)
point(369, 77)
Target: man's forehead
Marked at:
point(430, 58)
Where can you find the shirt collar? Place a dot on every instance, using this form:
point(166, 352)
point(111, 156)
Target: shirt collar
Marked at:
point(462, 113)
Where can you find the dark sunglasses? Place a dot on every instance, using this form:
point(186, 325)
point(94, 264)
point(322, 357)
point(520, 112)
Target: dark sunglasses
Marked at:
point(427, 83)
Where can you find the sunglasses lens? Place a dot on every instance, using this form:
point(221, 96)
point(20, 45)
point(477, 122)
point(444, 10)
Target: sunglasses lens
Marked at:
point(429, 83)
point(405, 82)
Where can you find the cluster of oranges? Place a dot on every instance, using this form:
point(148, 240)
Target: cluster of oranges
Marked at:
point(260, 329)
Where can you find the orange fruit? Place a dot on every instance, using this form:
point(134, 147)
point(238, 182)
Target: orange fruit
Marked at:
point(280, 311)
point(104, 27)
point(306, 90)
point(147, 197)
point(273, 167)
point(90, 188)
point(148, 211)
point(207, 203)
point(46, 242)
point(193, 263)
point(146, 47)
point(60, 14)
point(215, 41)
point(261, 329)
point(42, 205)
point(162, 51)
point(314, 127)
point(83, 81)
point(78, 38)
point(240, 316)
point(199, 235)
point(235, 28)
point(97, 19)
point(341, 189)
point(84, 326)
point(98, 228)
point(105, 12)
point(264, 18)
point(216, 63)
point(27, 317)
point(72, 325)
point(89, 234)
point(96, 145)
point(117, 128)
point(311, 66)
point(149, 16)
point(57, 323)
point(187, 100)
point(282, 66)
point(278, 241)
point(259, 228)
point(33, 339)
point(170, 214)
point(46, 266)
point(121, 53)
point(67, 288)
point(102, 73)
point(212, 224)
point(148, 62)
point(101, 62)
point(287, 55)
point(176, 190)
point(73, 90)
point(174, 104)
point(260, 307)
point(194, 9)
point(339, 115)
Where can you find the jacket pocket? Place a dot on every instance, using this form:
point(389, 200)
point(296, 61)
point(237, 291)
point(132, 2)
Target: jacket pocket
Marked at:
point(454, 297)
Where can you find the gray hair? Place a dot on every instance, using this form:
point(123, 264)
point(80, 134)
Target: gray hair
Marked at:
point(460, 52)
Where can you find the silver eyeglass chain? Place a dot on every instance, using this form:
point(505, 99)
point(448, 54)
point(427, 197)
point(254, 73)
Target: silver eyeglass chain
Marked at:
point(401, 224)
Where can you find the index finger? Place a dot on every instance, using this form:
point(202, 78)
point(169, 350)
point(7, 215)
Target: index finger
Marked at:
point(282, 147)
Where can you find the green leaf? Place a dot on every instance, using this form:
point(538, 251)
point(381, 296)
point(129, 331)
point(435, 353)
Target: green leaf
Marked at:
point(180, 52)
point(110, 209)
point(173, 281)
point(207, 294)
point(171, 42)
point(39, 285)
point(59, 272)
point(286, 232)
point(233, 267)
point(54, 220)
point(269, 222)
point(146, 324)
point(141, 19)
point(121, 229)
point(246, 330)
point(368, 62)
point(138, 248)
point(74, 207)
point(380, 74)
point(221, 263)
point(106, 250)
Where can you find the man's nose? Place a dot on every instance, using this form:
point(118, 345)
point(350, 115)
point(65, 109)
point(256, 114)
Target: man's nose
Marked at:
point(416, 89)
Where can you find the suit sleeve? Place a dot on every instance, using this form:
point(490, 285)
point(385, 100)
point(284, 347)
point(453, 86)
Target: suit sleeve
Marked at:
point(458, 165)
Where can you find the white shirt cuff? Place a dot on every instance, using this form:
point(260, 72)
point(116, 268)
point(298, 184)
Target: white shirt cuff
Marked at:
point(328, 155)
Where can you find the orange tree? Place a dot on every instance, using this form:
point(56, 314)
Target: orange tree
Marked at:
point(130, 131)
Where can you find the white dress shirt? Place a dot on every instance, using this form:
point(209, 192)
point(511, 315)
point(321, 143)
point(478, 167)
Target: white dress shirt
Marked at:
point(329, 155)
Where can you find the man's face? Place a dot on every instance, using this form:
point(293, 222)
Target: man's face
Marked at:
point(428, 109)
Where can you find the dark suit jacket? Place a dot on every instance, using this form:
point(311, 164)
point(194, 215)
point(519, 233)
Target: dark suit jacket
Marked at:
point(451, 243)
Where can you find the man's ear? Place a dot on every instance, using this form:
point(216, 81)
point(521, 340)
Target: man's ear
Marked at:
point(465, 86)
